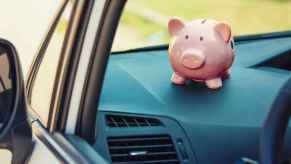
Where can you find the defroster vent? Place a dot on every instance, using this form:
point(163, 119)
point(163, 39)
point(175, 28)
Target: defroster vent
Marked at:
point(131, 121)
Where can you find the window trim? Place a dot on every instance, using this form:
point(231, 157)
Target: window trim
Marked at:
point(41, 51)
point(94, 23)
point(85, 127)
point(62, 77)
point(33, 71)
point(77, 49)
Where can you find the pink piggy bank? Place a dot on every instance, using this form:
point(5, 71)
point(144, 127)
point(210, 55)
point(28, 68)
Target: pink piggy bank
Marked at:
point(200, 50)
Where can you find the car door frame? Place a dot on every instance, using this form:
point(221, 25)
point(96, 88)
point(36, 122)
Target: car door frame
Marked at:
point(33, 71)
point(81, 119)
point(63, 137)
point(52, 140)
point(84, 82)
point(67, 63)
point(96, 74)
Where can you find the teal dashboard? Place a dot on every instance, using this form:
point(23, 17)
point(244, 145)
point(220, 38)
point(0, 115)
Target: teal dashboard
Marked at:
point(141, 113)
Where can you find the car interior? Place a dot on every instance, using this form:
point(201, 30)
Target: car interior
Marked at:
point(143, 118)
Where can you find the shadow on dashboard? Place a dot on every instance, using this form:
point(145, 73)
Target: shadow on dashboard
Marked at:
point(282, 61)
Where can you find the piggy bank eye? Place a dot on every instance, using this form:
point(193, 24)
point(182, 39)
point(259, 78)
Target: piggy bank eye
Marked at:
point(201, 38)
point(186, 36)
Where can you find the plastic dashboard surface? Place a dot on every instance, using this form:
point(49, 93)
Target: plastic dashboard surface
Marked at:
point(222, 125)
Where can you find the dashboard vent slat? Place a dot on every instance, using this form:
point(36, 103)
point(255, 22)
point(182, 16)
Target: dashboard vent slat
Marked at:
point(157, 149)
point(131, 121)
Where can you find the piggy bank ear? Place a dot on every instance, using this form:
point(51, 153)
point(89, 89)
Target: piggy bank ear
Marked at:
point(224, 30)
point(175, 24)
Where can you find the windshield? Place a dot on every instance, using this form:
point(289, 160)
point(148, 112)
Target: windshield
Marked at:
point(144, 22)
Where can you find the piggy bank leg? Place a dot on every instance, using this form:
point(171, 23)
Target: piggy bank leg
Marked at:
point(226, 74)
point(214, 83)
point(177, 79)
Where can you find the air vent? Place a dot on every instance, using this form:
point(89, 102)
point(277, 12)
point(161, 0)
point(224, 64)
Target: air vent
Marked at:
point(131, 121)
point(157, 149)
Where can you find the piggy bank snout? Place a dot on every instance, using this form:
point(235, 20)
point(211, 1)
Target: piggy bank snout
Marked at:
point(193, 59)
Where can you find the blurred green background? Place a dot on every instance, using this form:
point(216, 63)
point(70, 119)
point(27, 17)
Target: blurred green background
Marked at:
point(144, 22)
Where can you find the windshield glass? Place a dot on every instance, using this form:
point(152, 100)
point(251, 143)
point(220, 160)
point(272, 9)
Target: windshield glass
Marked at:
point(144, 22)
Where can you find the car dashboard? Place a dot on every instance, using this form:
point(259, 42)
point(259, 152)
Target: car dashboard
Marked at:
point(143, 118)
